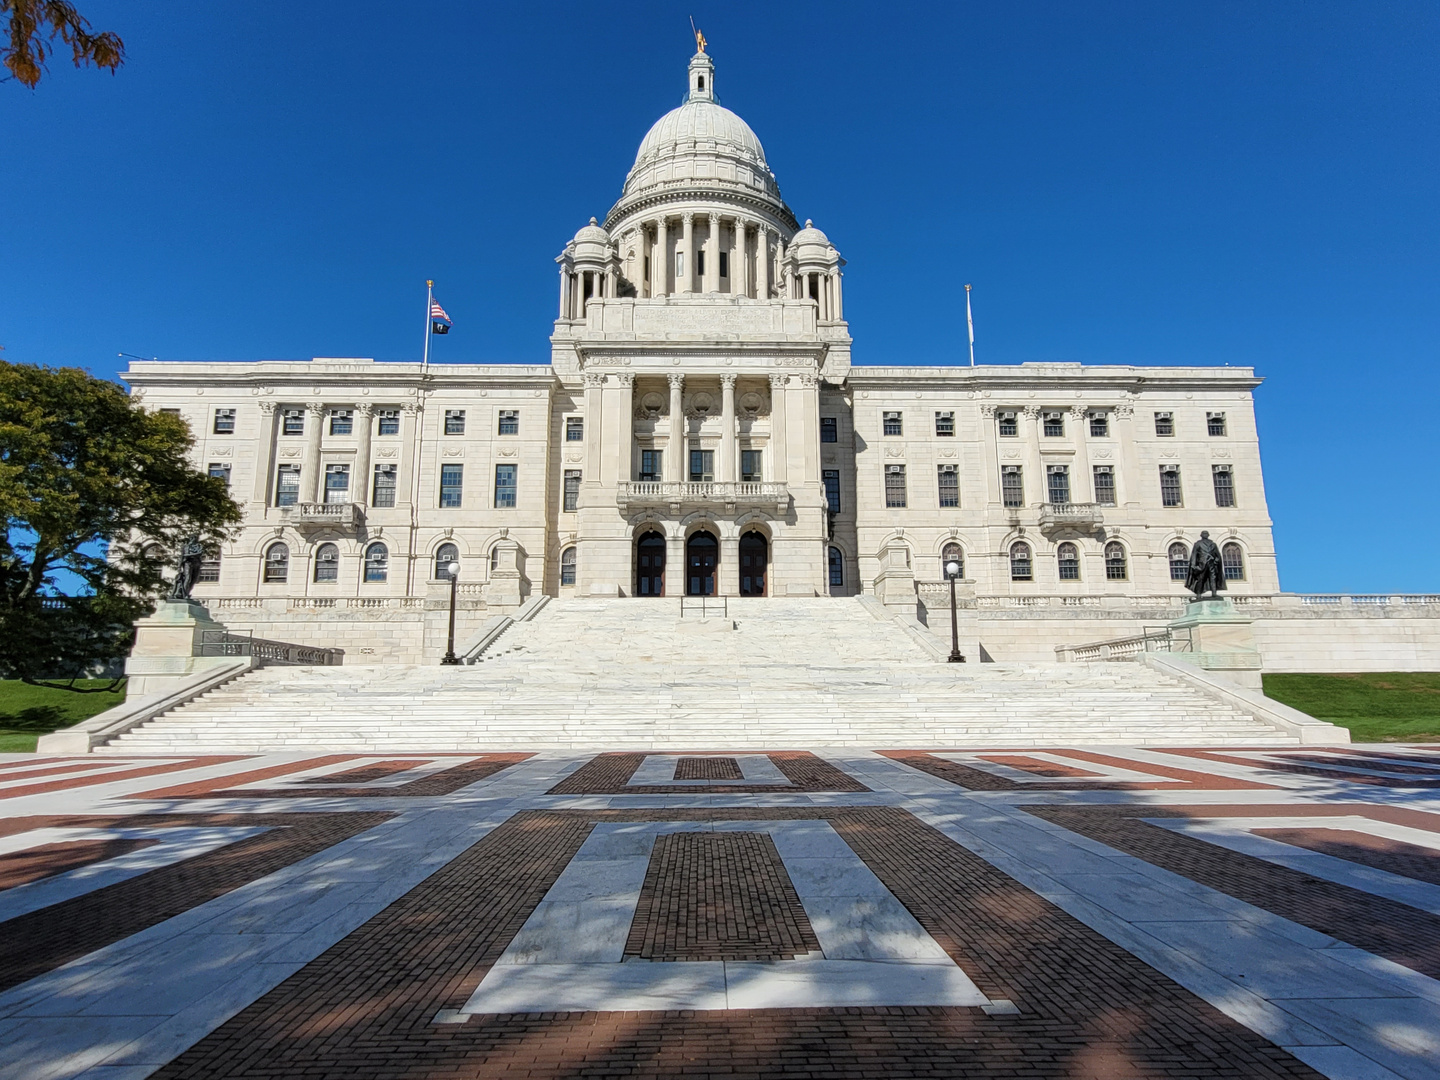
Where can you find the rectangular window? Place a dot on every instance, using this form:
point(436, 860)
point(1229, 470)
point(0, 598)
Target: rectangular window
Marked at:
point(224, 422)
point(504, 486)
point(894, 485)
point(384, 495)
point(1224, 485)
point(1215, 423)
point(949, 485)
point(221, 471)
point(750, 466)
point(287, 485)
point(574, 429)
point(337, 483)
point(1054, 425)
point(209, 567)
point(572, 490)
point(1170, 486)
point(679, 266)
point(724, 264)
point(702, 465)
point(389, 421)
point(1100, 425)
point(1008, 423)
point(454, 421)
point(651, 464)
point(452, 483)
point(1012, 486)
point(1164, 424)
point(342, 422)
point(829, 429)
point(832, 489)
point(1105, 485)
point(893, 424)
point(1057, 481)
point(293, 422)
point(700, 263)
point(509, 422)
point(945, 425)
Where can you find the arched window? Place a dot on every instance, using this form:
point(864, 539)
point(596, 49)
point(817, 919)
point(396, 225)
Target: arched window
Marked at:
point(445, 554)
point(837, 567)
point(1233, 559)
point(1179, 561)
point(377, 563)
point(1115, 569)
point(327, 563)
point(1067, 558)
point(948, 554)
point(277, 564)
point(567, 566)
point(495, 558)
point(1020, 567)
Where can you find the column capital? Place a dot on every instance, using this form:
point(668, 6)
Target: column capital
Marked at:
point(594, 379)
point(624, 378)
point(779, 382)
point(688, 217)
point(365, 408)
point(714, 217)
point(1032, 412)
point(1124, 412)
point(411, 407)
point(728, 381)
point(266, 407)
point(317, 407)
point(676, 380)
point(1078, 412)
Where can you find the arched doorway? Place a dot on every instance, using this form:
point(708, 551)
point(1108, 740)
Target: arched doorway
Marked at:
point(754, 556)
point(650, 565)
point(702, 555)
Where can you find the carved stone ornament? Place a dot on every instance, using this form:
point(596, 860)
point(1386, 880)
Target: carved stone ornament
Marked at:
point(1077, 414)
point(411, 407)
point(508, 451)
point(808, 380)
point(366, 408)
point(864, 393)
point(987, 411)
point(1104, 453)
point(1124, 411)
point(291, 452)
point(456, 451)
point(594, 379)
point(1220, 453)
point(199, 391)
point(948, 455)
point(610, 361)
point(625, 379)
point(676, 380)
point(895, 451)
point(1011, 454)
point(779, 382)
point(221, 451)
point(388, 452)
point(1032, 412)
point(573, 456)
point(728, 381)
point(267, 407)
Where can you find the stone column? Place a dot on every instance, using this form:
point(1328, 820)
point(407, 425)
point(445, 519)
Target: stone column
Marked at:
point(594, 390)
point(265, 462)
point(1082, 488)
point(838, 312)
point(712, 255)
point(762, 263)
point(610, 280)
point(660, 264)
point(1128, 481)
point(619, 428)
point(1037, 485)
point(675, 449)
point(737, 260)
point(687, 285)
point(726, 472)
point(314, 422)
point(407, 482)
point(642, 236)
point(781, 275)
point(564, 292)
point(778, 449)
point(360, 482)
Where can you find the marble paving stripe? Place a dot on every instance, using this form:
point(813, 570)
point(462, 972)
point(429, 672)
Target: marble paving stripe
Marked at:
point(379, 770)
point(444, 782)
point(610, 774)
point(1084, 1007)
point(40, 941)
point(109, 777)
point(1377, 852)
point(210, 785)
point(1396, 931)
point(973, 778)
point(35, 864)
point(1353, 776)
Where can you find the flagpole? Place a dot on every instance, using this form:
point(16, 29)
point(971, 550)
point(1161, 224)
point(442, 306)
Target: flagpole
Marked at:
point(429, 297)
point(970, 323)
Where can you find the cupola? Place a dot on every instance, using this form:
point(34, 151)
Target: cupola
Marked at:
point(702, 78)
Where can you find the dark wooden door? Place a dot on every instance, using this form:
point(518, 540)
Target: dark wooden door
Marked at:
point(702, 555)
point(650, 565)
point(754, 555)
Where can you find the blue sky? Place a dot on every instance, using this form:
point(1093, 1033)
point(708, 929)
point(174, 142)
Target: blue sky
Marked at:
point(1242, 183)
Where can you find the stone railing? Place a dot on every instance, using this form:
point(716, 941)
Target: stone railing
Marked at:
point(1153, 639)
point(340, 515)
point(1071, 515)
point(265, 651)
point(703, 493)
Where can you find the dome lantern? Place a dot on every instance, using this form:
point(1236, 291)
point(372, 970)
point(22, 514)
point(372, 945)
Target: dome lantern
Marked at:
point(702, 78)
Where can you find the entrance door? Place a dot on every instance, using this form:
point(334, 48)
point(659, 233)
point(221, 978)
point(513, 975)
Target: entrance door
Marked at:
point(753, 558)
point(702, 553)
point(650, 565)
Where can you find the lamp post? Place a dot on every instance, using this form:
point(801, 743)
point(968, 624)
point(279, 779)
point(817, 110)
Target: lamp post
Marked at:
point(450, 657)
point(952, 571)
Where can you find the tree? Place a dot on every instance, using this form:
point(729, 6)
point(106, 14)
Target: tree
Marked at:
point(92, 484)
point(29, 45)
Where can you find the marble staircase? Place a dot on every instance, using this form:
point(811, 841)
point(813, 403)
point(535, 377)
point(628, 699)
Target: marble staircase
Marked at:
point(621, 674)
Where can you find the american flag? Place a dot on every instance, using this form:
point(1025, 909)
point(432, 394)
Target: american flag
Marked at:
point(438, 312)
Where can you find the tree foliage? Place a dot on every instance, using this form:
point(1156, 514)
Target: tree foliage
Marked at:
point(92, 484)
point(31, 26)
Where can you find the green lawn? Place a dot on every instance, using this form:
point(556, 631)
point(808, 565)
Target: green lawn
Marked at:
point(27, 712)
point(1388, 706)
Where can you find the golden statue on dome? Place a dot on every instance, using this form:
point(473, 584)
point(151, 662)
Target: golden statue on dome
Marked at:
point(699, 37)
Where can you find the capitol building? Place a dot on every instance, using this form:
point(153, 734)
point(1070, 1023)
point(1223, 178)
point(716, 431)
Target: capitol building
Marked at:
point(703, 430)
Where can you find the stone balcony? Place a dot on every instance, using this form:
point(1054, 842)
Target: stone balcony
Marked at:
point(1083, 516)
point(335, 515)
point(682, 494)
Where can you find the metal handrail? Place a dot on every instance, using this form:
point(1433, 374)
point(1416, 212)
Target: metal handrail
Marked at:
point(707, 606)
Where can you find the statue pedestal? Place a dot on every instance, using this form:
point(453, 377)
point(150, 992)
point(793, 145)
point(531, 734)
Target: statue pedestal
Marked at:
point(166, 644)
point(506, 591)
point(1215, 637)
point(895, 584)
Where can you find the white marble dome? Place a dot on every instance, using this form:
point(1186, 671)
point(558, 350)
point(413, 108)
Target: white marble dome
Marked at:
point(700, 121)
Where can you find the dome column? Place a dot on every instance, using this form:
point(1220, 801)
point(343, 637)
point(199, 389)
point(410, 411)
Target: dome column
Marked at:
point(712, 256)
point(737, 263)
point(839, 313)
point(726, 472)
point(687, 256)
point(660, 264)
point(675, 451)
point(564, 292)
point(762, 263)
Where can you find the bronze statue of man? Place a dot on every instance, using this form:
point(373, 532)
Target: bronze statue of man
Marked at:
point(1207, 570)
point(192, 554)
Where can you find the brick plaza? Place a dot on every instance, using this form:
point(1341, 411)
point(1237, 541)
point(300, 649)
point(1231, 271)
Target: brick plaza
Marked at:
point(1106, 912)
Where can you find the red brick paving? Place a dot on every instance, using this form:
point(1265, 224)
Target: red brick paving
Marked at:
point(1380, 852)
point(609, 774)
point(438, 783)
point(47, 860)
point(1038, 766)
point(708, 768)
point(366, 773)
point(43, 940)
point(1088, 1009)
point(1396, 931)
point(110, 777)
point(719, 896)
point(974, 779)
point(1301, 769)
